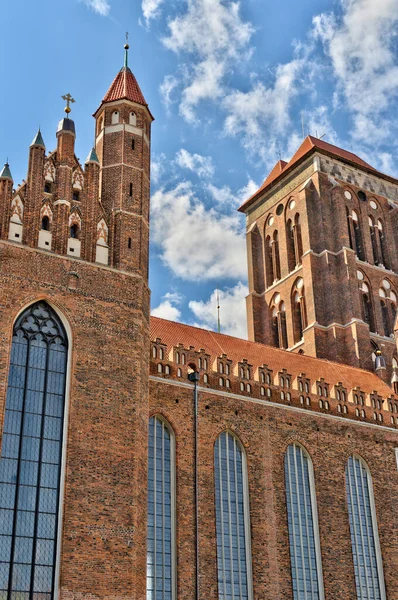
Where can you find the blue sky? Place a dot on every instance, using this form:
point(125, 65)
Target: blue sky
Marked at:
point(228, 83)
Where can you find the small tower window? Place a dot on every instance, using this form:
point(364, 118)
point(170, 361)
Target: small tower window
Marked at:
point(76, 196)
point(133, 118)
point(47, 188)
point(131, 189)
point(129, 243)
point(115, 117)
point(133, 144)
point(74, 231)
point(45, 223)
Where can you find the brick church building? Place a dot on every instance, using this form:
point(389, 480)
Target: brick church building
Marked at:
point(144, 459)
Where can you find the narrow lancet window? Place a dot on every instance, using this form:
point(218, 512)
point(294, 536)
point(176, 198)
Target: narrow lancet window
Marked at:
point(160, 538)
point(232, 520)
point(31, 456)
point(305, 556)
point(366, 553)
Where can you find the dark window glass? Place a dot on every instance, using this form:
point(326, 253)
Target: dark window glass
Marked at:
point(160, 534)
point(31, 455)
point(363, 528)
point(45, 223)
point(76, 196)
point(303, 526)
point(231, 514)
point(74, 231)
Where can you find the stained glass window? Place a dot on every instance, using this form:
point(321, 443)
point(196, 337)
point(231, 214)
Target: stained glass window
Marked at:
point(363, 527)
point(160, 538)
point(31, 455)
point(303, 526)
point(232, 514)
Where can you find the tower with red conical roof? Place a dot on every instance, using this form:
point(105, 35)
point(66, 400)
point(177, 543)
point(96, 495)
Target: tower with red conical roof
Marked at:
point(123, 138)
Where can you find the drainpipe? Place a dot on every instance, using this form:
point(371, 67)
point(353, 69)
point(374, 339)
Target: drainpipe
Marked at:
point(193, 376)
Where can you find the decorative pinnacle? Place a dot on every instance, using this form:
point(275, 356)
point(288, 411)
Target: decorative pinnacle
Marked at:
point(68, 99)
point(126, 50)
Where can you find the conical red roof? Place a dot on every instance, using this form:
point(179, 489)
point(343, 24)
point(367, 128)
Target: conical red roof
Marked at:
point(125, 87)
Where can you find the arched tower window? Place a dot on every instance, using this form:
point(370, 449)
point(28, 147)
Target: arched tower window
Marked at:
point(368, 566)
point(374, 238)
point(161, 501)
point(291, 250)
point(278, 322)
point(359, 249)
point(74, 231)
point(349, 227)
point(382, 244)
point(232, 520)
point(31, 456)
point(269, 266)
point(388, 303)
point(298, 239)
point(133, 118)
point(305, 555)
point(276, 265)
point(367, 308)
point(298, 310)
point(115, 117)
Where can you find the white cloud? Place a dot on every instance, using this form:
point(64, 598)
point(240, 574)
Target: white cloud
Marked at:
point(157, 166)
point(201, 165)
point(214, 35)
point(166, 89)
point(197, 243)
point(263, 108)
point(232, 311)
point(361, 45)
point(224, 196)
point(168, 308)
point(150, 9)
point(102, 7)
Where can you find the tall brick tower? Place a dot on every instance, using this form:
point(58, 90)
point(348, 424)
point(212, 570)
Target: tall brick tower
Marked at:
point(322, 247)
point(74, 352)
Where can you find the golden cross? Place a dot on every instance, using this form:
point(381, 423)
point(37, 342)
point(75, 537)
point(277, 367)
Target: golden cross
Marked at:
point(68, 99)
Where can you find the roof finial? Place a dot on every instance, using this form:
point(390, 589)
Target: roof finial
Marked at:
point(68, 99)
point(126, 50)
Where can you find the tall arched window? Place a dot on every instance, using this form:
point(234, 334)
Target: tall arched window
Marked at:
point(269, 266)
point(298, 310)
point(161, 529)
point(383, 244)
point(291, 249)
point(278, 322)
point(232, 520)
point(305, 555)
point(358, 236)
point(367, 308)
point(31, 456)
point(388, 303)
point(276, 265)
point(298, 239)
point(368, 566)
point(373, 236)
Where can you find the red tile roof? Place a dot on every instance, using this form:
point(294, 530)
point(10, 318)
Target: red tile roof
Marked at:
point(309, 145)
point(215, 344)
point(125, 86)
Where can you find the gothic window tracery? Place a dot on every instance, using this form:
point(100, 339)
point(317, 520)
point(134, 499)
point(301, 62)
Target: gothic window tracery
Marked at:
point(31, 455)
point(367, 306)
point(278, 322)
point(388, 304)
point(298, 310)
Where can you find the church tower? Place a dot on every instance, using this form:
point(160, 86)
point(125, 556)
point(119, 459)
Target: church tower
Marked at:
point(74, 354)
point(123, 134)
point(322, 250)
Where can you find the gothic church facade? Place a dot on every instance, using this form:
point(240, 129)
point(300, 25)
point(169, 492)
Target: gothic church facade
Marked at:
point(146, 459)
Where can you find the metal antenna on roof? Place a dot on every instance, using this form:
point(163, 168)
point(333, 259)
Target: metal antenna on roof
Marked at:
point(218, 313)
point(323, 135)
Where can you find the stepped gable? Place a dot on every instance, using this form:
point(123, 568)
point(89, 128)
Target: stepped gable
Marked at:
point(310, 145)
point(216, 344)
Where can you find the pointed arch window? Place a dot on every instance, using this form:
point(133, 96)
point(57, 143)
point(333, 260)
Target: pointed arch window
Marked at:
point(232, 520)
point(368, 566)
point(269, 266)
point(299, 312)
point(367, 307)
point(31, 457)
point(383, 244)
point(161, 502)
point(374, 239)
point(305, 555)
point(388, 303)
point(359, 249)
point(291, 249)
point(278, 322)
point(276, 265)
